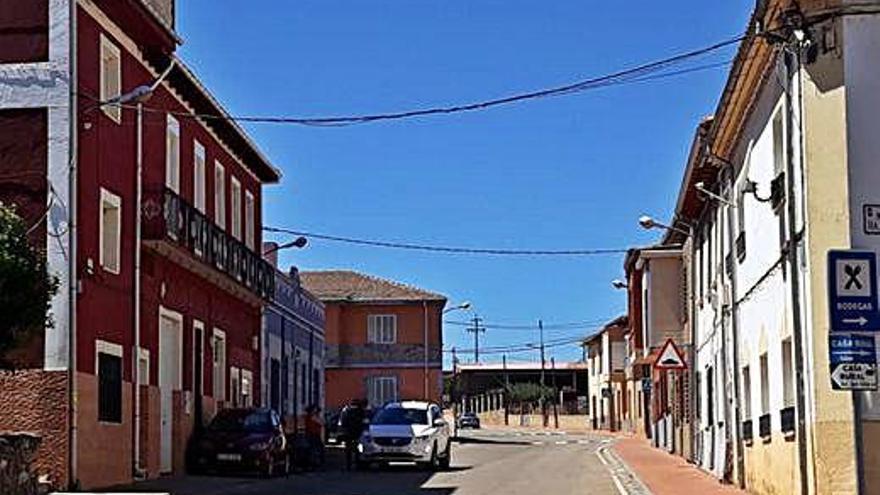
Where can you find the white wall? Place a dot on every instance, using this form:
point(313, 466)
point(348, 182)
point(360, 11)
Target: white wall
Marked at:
point(47, 84)
point(862, 73)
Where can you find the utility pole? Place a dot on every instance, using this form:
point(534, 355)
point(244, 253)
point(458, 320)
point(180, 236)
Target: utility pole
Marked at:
point(555, 394)
point(476, 329)
point(506, 391)
point(454, 394)
point(543, 365)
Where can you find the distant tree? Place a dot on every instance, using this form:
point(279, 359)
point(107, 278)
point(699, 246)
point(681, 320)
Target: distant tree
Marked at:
point(26, 288)
point(528, 392)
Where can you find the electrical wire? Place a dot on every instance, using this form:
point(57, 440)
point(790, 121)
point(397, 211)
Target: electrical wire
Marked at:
point(447, 249)
point(640, 73)
point(531, 327)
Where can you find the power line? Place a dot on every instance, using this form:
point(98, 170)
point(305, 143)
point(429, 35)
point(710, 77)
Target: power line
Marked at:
point(448, 249)
point(657, 69)
point(574, 325)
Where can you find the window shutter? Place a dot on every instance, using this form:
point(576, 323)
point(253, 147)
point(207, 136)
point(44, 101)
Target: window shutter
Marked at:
point(109, 388)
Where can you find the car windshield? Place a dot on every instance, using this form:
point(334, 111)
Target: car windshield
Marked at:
point(400, 416)
point(241, 420)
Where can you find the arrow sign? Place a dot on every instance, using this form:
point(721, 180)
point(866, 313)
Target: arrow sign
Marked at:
point(853, 304)
point(853, 361)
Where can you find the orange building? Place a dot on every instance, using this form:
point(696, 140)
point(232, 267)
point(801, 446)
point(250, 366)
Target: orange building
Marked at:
point(384, 339)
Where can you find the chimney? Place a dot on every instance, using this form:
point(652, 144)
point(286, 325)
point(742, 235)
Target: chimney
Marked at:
point(270, 253)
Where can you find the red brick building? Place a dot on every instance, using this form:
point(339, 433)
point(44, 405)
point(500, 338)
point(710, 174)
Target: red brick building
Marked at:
point(152, 226)
point(384, 339)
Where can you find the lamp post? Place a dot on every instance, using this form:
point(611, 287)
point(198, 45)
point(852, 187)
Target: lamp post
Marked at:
point(452, 394)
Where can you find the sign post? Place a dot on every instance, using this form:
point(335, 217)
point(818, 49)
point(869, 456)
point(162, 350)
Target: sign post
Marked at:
point(853, 307)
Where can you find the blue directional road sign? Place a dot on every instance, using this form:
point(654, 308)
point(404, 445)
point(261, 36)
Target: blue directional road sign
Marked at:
point(852, 291)
point(853, 362)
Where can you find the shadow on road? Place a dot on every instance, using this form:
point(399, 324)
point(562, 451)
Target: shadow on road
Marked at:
point(488, 441)
point(331, 479)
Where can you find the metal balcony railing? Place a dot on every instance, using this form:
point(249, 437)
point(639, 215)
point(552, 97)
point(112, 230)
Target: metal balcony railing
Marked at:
point(168, 217)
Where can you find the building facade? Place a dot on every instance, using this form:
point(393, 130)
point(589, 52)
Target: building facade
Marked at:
point(151, 224)
point(782, 173)
point(605, 353)
point(384, 338)
point(292, 348)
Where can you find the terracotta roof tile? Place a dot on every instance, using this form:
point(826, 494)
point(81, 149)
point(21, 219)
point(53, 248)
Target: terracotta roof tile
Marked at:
point(348, 285)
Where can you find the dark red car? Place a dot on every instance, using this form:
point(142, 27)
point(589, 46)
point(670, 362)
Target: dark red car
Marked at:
point(241, 440)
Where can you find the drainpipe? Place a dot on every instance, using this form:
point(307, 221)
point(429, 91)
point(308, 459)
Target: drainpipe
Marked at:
point(734, 330)
point(140, 94)
point(72, 231)
point(792, 64)
point(425, 337)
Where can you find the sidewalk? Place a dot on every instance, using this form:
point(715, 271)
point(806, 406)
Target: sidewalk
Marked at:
point(666, 474)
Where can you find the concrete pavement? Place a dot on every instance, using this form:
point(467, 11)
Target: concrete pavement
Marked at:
point(484, 463)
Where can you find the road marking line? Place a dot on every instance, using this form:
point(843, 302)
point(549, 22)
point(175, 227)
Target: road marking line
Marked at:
point(600, 453)
point(561, 442)
point(537, 443)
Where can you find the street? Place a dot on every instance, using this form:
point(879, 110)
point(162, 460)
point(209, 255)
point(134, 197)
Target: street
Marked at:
point(484, 462)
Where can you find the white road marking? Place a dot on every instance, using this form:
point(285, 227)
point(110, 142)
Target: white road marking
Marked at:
point(600, 453)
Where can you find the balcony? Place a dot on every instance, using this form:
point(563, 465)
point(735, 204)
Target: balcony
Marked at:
point(170, 219)
point(764, 427)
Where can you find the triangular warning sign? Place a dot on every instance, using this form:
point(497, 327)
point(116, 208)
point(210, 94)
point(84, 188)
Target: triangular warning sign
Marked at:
point(670, 358)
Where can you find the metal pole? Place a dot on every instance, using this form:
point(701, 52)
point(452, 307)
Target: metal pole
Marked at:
point(136, 355)
point(454, 394)
point(476, 330)
point(555, 394)
point(425, 337)
point(541, 397)
point(506, 391)
point(797, 330)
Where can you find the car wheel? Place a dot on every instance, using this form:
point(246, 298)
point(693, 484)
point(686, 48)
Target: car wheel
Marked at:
point(434, 463)
point(446, 460)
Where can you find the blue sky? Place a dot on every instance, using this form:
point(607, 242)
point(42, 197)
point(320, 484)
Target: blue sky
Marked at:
point(570, 172)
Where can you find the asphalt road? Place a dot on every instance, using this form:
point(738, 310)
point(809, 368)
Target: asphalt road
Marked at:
point(483, 463)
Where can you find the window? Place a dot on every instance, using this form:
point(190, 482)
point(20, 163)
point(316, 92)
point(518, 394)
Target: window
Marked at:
point(249, 219)
point(765, 385)
point(747, 393)
point(198, 350)
point(219, 195)
point(710, 396)
point(303, 397)
point(316, 389)
point(382, 390)
point(787, 372)
point(108, 358)
point(382, 329)
point(109, 231)
point(235, 386)
point(199, 176)
point(144, 367)
point(235, 194)
point(111, 78)
point(247, 388)
point(218, 346)
point(172, 157)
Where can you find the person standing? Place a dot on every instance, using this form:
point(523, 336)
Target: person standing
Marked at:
point(351, 421)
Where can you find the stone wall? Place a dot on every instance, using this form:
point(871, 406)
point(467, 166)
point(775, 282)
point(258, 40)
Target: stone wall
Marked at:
point(35, 401)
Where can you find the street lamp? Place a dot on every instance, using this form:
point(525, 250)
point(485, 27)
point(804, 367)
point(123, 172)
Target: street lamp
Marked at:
point(299, 243)
point(463, 306)
point(649, 223)
point(619, 284)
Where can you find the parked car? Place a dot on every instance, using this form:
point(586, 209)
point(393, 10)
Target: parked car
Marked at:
point(246, 439)
point(468, 420)
point(411, 431)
